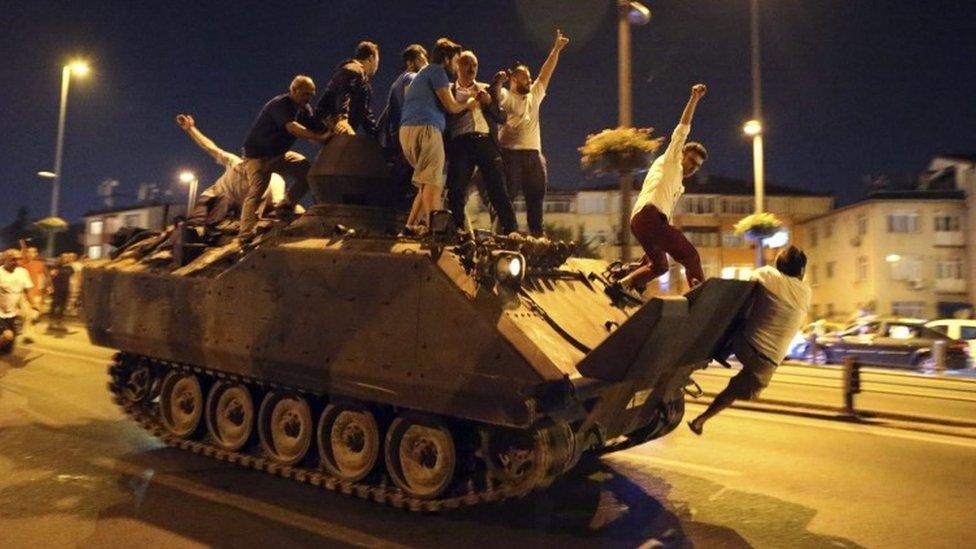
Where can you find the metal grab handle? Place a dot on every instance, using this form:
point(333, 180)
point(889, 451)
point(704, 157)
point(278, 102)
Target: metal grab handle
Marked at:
point(697, 393)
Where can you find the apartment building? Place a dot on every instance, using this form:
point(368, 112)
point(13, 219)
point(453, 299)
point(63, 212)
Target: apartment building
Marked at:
point(101, 225)
point(706, 213)
point(901, 253)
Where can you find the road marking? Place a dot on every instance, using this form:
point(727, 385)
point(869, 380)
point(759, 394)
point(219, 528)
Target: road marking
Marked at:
point(675, 464)
point(875, 430)
point(262, 509)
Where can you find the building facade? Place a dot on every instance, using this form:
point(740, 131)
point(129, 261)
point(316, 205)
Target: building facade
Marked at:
point(101, 226)
point(706, 213)
point(901, 253)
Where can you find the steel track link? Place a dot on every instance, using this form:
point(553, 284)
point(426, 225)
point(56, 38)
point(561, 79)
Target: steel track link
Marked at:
point(145, 416)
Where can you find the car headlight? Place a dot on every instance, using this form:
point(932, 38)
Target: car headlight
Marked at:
point(508, 268)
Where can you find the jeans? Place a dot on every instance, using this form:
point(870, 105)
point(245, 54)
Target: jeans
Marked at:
point(478, 150)
point(525, 171)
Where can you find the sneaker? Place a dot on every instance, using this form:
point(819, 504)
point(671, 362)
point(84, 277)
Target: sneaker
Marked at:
point(697, 429)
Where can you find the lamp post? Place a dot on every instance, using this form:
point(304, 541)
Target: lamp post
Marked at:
point(189, 178)
point(77, 68)
point(628, 13)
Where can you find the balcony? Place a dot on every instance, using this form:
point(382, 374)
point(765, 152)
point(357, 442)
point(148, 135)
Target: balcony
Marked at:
point(950, 238)
point(950, 286)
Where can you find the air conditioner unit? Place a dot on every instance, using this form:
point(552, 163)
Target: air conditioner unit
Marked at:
point(856, 241)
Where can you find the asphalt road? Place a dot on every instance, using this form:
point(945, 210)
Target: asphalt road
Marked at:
point(73, 472)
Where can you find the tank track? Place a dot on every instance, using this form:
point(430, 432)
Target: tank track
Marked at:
point(145, 414)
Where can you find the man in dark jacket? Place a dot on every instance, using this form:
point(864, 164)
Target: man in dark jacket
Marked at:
point(346, 104)
point(473, 144)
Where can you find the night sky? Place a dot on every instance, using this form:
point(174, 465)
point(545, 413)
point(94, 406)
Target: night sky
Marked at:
point(849, 87)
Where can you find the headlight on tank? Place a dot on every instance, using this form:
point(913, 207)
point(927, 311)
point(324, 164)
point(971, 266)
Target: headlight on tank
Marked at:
point(508, 268)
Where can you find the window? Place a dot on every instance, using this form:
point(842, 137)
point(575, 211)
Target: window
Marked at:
point(737, 272)
point(95, 252)
point(903, 221)
point(903, 331)
point(906, 268)
point(710, 269)
point(914, 309)
point(95, 228)
point(946, 223)
point(702, 237)
point(697, 204)
point(862, 225)
point(553, 206)
point(861, 273)
point(738, 206)
point(813, 237)
point(593, 204)
point(814, 275)
point(732, 240)
point(949, 269)
point(830, 269)
point(131, 220)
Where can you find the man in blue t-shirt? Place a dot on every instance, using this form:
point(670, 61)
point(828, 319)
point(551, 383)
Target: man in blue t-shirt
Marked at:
point(422, 124)
point(283, 119)
point(414, 58)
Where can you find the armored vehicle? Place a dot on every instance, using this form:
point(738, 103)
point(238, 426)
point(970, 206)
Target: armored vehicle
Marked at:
point(425, 373)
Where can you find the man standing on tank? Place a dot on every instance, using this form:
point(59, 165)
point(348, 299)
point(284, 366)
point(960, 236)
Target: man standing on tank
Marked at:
point(414, 58)
point(650, 220)
point(421, 129)
point(281, 121)
point(521, 137)
point(346, 106)
point(472, 145)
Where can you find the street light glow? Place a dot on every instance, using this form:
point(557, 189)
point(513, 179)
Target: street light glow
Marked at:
point(638, 14)
point(187, 176)
point(752, 128)
point(48, 175)
point(79, 67)
point(892, 258)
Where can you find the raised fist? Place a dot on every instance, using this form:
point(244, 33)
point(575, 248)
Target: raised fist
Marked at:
point(500, 77)
point(561, 40)
point(698, 90)
point(185, 121)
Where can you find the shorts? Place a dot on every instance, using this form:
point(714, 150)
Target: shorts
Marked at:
point(423, 147)
point(757, 371)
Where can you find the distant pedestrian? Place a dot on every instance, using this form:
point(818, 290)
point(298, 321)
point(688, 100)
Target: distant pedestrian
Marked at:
point(521, 135)
point(281, 121)
point(14, 283)
point(650, 220)
point(34, 301)
point(61, 285)
point(761, 345)
point(346, 106)
point(421, 130)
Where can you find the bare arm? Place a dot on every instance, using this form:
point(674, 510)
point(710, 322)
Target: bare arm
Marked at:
point(188, 125)
point(545, 73)
point(302, 132)
point(451, 105)
point(697, 92)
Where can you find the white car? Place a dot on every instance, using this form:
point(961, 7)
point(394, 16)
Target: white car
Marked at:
point(958, 328)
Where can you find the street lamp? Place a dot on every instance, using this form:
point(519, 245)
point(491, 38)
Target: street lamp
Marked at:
point(77, 67)
point(189, 178)
point(628, 13)
point(754, 129)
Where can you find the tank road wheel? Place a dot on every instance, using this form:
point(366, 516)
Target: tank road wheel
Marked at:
point(285, 427)
point(348, 442)
point(138, 384)
point(230, 415)
point(181, 403)
point(420, 456)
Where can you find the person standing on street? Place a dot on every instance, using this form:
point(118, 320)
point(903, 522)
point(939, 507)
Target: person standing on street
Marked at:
point(761, 345)
point(61, 284)
point(472, 145)
point(14, 283)
point(34, 301)
point(422, 126)
point(650, 220)
point(521, 136)
point(281, 121)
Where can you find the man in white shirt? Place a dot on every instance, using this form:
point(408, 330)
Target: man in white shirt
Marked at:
point(227, 194)
point(521, 138)
point(14, 282)
point(650, 220)
point(761, 345)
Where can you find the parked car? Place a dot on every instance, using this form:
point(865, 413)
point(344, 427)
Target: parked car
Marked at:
point(899, 343)
point(963, 329)
point(800, 343)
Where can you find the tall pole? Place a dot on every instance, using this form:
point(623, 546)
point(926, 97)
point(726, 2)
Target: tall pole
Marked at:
point(625, 120)
point(757, 142)
point(59, 150)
